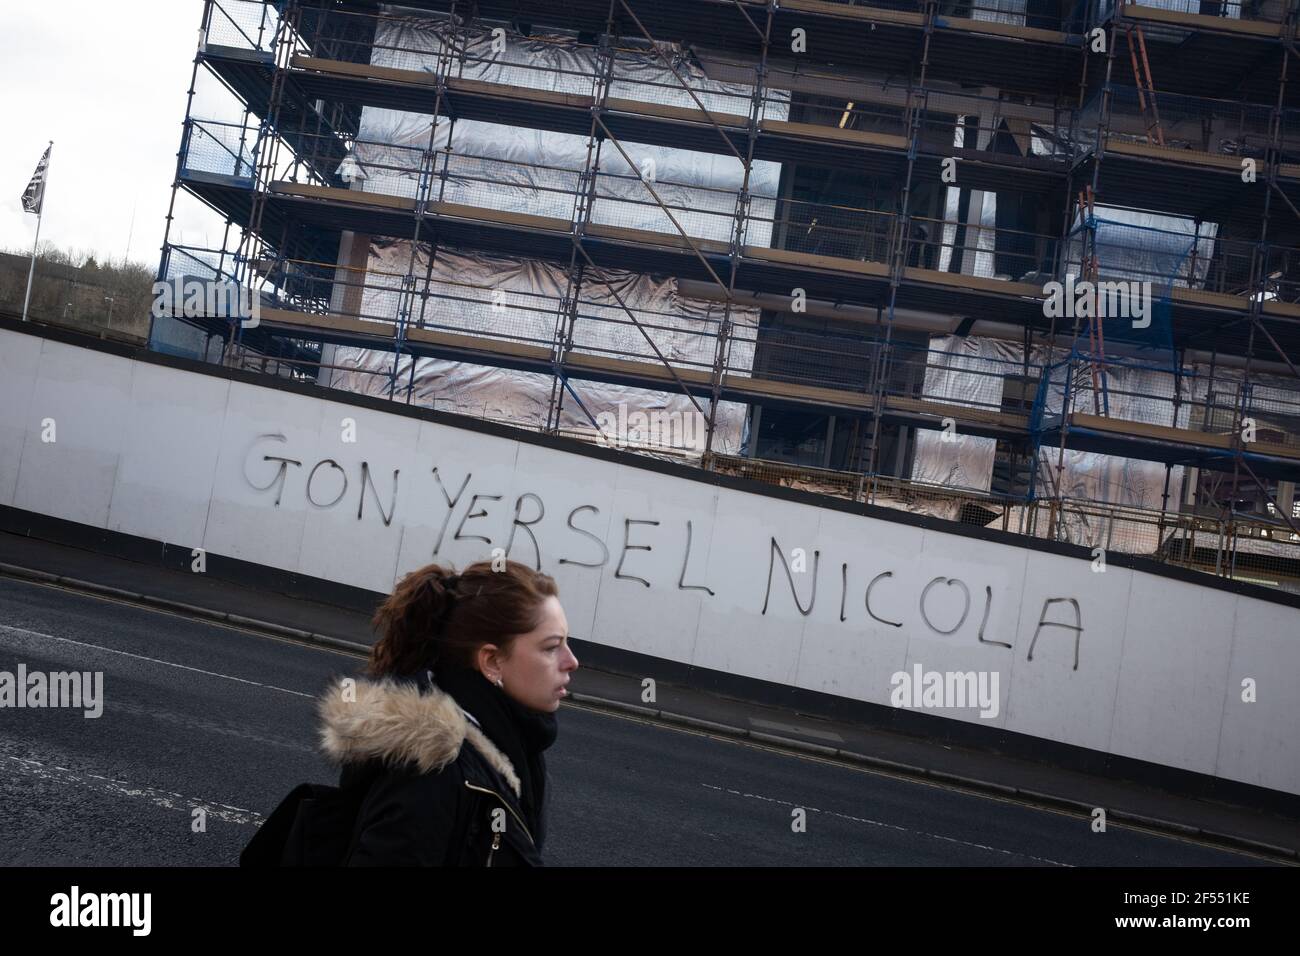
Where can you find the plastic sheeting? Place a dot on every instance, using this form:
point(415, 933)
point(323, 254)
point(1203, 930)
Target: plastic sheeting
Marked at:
point(1132, 394)
point(952, 375)
point(1146, 395)
point(537, 171)
point(522, 398)
point(1230, 10)
point(1001, 11)
point(1272, 400)
point(1147, 247)
point(414, 39)
point(958, 373)
point(517, 300)
point(513, 169)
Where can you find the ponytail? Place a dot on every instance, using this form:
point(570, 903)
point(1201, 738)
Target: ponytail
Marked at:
point(437, 617)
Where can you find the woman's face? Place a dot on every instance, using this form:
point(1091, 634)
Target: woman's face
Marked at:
point(538, 665)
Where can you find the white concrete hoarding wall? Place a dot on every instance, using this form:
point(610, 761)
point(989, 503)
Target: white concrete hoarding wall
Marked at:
point(664, 566)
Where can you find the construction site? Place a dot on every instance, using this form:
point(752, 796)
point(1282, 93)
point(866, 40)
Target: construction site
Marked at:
point(1022, 264)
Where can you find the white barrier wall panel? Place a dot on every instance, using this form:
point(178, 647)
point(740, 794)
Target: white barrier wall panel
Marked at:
point(271, 477)
point(358, 486)
point(168, 466)
point(954, 583)
point(258, 505)
point(1177, 642)
point(857, 656)
point(1254, 746)
point(1050, 697)
point(736, 635)
point(655, 617)
point(19, 359)
point(982, 566)
point(88, 396)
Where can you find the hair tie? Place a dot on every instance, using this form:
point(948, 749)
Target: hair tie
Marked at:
point(449, 594)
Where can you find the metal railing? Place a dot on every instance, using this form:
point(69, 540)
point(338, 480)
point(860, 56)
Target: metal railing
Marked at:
point(1198, 259)
point(215, 265)
point(672, 77)
point(705, 213)
point(844, 360)
point(1194, 258)
point(224, 148)
point(1011, 12)
point(1259, 413)
point(1221, 9)
point(1126, 251)
point(221, 148)
point(1000, 126)
point(241, 24)
point(1187, 123)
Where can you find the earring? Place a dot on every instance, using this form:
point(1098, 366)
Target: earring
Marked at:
point(501, 683)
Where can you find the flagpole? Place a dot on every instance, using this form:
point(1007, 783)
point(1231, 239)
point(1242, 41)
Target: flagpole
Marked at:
point(31, 269)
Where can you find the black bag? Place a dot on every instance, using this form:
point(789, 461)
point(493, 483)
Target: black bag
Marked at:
point(313, 826)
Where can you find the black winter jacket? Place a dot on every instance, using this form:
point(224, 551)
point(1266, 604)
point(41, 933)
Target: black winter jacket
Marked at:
point(431, 800)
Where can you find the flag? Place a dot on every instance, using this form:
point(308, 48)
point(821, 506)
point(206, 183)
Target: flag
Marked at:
point(34, 195)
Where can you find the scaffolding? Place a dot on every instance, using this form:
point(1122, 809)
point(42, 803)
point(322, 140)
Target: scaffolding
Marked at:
point(956, 161)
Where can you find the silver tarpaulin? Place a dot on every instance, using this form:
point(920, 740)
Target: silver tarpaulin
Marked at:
point(537, 172)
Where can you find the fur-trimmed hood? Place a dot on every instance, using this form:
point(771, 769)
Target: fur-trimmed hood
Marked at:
point(402, 722)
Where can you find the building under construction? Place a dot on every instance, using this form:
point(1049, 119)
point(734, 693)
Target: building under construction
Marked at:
point(1030, 264)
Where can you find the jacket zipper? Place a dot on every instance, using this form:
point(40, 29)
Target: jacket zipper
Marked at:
point(507, 806)
point(496, 844)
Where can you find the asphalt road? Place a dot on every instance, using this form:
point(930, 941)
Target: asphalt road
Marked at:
point(198, 716)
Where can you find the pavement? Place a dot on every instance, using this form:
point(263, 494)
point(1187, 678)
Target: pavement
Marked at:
point(884, 754)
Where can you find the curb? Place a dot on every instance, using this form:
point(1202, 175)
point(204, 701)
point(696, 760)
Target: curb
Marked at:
point(983, 787)
point(190, 610)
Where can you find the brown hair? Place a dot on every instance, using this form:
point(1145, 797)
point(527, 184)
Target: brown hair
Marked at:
point(435, 616)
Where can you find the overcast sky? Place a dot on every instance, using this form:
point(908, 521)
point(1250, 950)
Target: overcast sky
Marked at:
point(106, 81)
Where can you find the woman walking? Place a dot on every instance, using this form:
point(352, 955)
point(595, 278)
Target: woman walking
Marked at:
point(447, 735)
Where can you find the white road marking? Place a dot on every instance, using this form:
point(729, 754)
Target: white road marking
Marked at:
point(161, 798)
point(4, 628)
point(890, 826)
